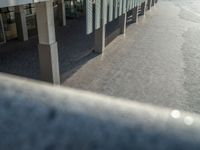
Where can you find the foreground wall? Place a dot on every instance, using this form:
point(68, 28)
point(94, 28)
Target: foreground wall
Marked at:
point(34, 116)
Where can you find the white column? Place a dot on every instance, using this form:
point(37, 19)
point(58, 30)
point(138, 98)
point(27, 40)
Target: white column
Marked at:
point(62, 13)
point(20, 16)
point(100, 34)
point(100, 39)
point(48, 50)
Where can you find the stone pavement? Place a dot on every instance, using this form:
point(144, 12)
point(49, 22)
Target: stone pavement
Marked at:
point(157, 62)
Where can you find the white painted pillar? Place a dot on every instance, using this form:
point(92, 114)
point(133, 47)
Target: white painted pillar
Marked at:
point(48, 50)
point(62, 12)
point(100, 34)
point(20, 16)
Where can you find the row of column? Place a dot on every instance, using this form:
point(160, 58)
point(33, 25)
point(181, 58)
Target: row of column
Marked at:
point(21, 23)
point(100, 33)
point(48, 49)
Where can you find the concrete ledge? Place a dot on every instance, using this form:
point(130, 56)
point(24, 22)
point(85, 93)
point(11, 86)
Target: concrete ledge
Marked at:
point(35, 116)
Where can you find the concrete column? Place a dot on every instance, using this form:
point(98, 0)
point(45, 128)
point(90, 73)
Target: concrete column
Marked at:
point(20, 16)
point(48, 50)
point(135, 14)
point(149, 4)
point(100, 39)
point(143, 6)
point(62, 13)
point(100, 34)
point(153, 3)
point(122, 23)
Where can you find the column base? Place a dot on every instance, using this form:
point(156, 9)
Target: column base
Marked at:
point(100, 39)
point(143, 8)
point(49, 64)
point(122, 23)
point(135, 14)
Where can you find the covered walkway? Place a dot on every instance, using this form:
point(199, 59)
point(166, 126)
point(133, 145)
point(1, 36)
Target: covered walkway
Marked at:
point(69, 48)
point(74, 46)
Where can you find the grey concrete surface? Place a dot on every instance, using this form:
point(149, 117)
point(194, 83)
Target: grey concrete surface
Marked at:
point(157, 62)
point(35, 116)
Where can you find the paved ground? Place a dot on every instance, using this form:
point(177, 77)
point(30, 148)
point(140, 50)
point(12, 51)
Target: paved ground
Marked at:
point(158, 62)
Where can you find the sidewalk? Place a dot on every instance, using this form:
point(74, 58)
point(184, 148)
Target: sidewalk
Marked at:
point(157, 62)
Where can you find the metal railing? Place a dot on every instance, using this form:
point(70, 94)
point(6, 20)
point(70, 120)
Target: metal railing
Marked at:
point(37, 116)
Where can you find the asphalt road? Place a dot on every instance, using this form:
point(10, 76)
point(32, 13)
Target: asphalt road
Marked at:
point(157, 62)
